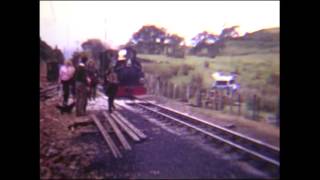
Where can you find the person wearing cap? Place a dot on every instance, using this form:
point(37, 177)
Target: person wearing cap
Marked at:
point(112, 87)
point(66, 74)
point(93, 75)
point(82, 81)
point(122, 54)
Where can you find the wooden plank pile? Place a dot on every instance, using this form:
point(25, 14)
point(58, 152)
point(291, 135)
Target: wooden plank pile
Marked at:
point(119, 126)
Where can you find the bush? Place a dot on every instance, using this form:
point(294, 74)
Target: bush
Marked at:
point(236, 71)
point(183, 88)
point(163, 70)
point(265, 103)
point(174, 70)
point(196, 80)
point(249, 102)
point(185, 68)
point(206, 64)
point(258, 75)
point(269, 103)
point(273, 79)
point(269, 90)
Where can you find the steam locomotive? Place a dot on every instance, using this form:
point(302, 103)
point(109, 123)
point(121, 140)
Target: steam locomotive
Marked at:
point(128, 69)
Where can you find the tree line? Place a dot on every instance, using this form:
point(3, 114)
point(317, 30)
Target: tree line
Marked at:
point(151, 39)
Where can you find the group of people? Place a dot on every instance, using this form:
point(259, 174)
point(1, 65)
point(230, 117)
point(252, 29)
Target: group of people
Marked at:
point(82, 80)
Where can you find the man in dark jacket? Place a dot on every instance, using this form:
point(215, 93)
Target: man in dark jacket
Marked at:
point(92, 72)
point(112, 87)
point(82, 82)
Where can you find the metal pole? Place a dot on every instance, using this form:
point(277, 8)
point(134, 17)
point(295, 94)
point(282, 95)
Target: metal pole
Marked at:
point(105, 30)
point(52, 9)
point(68, 35)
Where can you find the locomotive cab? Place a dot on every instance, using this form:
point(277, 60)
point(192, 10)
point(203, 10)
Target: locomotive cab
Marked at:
point(130, 74)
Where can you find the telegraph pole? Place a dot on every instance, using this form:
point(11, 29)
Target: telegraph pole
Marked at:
point(77, 45)
point(52, 10)
point(68, 35)
point(105, 30)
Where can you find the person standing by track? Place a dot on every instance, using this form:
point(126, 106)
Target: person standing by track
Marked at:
point(93, 75)
point(82, 81)
point(66, 75)
point(112, 88)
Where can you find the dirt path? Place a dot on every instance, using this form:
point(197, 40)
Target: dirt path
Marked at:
point(63, 151)
point(66, 153)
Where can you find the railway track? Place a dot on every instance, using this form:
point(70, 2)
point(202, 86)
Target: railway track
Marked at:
point(260, 154)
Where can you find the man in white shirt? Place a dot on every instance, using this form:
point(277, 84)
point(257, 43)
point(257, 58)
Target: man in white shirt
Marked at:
point(66, 74)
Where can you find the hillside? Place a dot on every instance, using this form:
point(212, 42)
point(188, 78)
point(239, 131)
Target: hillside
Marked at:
point(272, 34)
point(254, 57)
point(260, 42)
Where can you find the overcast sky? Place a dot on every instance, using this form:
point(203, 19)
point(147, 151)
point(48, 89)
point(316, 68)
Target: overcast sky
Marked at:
point(67, 24)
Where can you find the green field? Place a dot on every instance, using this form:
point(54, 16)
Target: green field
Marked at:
point(254, 70)
point(256, 62)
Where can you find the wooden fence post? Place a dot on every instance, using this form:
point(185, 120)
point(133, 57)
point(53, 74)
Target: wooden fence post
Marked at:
point(188, 93)
point(205, 98)
point(165, 84)
point(230, 102)
point(183, 97)
point(216, 100)
point(222, 102)
point(167, 93)
point(278, 112)
point(198, 98)
point(170, 90)
point(160, 88)
point(257, 107)
point(178, 92)
point(174, 91)
point(147, 83)
point(166, 89)
point(152, 83)
point(239, 105)
point(157, 90)
point(254, 107)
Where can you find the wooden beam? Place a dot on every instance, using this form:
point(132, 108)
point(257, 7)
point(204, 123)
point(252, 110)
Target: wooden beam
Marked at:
point(87, 131)
point(107, 127)
point(82, 122)
point(126, 128)
point(119, 134)
point(131, 126)
point(51, 88)
point(115, 151)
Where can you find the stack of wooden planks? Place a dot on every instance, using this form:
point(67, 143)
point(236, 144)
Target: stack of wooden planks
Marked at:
point(120, 126)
